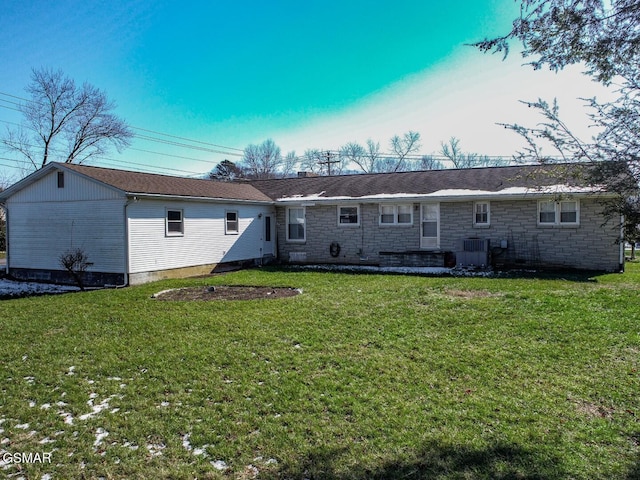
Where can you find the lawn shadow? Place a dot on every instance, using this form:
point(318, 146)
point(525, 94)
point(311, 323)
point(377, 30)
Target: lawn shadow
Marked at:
point(572, 275)
point(434, 460)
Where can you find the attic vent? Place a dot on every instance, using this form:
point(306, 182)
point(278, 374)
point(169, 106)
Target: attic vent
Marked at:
point(473, 252)
point(60, 179)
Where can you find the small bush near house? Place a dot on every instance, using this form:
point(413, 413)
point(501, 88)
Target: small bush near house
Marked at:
point(76, 262)
point(359, 377)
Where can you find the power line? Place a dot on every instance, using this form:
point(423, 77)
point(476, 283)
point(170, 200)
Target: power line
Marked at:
point(187, 139)
point(150, 138)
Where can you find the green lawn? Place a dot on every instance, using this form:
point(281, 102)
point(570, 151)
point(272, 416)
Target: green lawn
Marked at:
point(361, 376)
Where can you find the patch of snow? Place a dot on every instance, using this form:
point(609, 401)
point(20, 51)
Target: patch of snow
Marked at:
point(130, 446)
point(46, 476)
point(220, 465)
point(68, 418)
point(45, 406)
point(449, 194)
point(251, 471)
point(30, 380)
point(32, 404)
point(101, 434)
point(46, 440)
point(71, 369)
point(96, 409)
point(22, 426)
point(13, 288)
point(185, 442)
point(155, 450)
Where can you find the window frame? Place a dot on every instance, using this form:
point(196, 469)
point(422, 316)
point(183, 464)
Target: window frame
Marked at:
point(557, 213)
point(396, 214)
point(303, 223)
point(476, 223)
point(348, 224)
point(231, 231)
point(168, 221)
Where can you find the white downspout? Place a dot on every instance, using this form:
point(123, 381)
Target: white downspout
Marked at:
point(621, 243)
point(126, 241)
point(6, 237)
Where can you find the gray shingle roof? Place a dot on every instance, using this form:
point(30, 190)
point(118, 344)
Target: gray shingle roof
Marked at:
point(491, 179)
point(148, 183)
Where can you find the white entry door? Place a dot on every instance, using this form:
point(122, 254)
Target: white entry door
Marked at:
point(430, 226)
point(268, 235)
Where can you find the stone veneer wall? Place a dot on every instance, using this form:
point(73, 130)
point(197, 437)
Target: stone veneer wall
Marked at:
point(589, 246)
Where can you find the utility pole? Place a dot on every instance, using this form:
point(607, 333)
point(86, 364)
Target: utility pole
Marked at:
point(328, 162)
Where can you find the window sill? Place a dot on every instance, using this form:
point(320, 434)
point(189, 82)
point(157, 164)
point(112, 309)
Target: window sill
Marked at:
point(559, 225)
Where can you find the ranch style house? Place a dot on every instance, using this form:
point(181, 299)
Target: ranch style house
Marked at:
point(138, 227)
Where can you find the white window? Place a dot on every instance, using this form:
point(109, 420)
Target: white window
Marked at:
point(396, 215)
point(481, 214)
point(174, 223)
point(296, 224)
point(564, 212)
point(231, 224)
point(349, 216)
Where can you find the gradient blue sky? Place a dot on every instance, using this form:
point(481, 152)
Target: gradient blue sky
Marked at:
point(306, 74)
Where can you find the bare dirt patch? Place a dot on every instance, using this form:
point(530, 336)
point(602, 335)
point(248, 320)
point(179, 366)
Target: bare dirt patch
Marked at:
point(226, 292)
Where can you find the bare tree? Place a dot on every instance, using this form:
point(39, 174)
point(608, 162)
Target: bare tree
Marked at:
point(453, 152)
point(310, 159)
point(64, 122)
point(428, 162)
point(367, 158)
point(403, 146)
point(262, 161)
point(603, 36)
point(289, 164)
point(354, 153)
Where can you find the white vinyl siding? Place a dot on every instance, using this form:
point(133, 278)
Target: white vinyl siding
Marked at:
point(40, 232)
point(204, 240)
point(76, 187)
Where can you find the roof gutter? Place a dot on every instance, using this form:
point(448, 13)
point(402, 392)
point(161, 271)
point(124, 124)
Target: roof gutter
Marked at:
point(435, 198)
point(159, 196)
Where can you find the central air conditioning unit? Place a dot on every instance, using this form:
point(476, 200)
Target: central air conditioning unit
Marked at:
point(473, 252)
